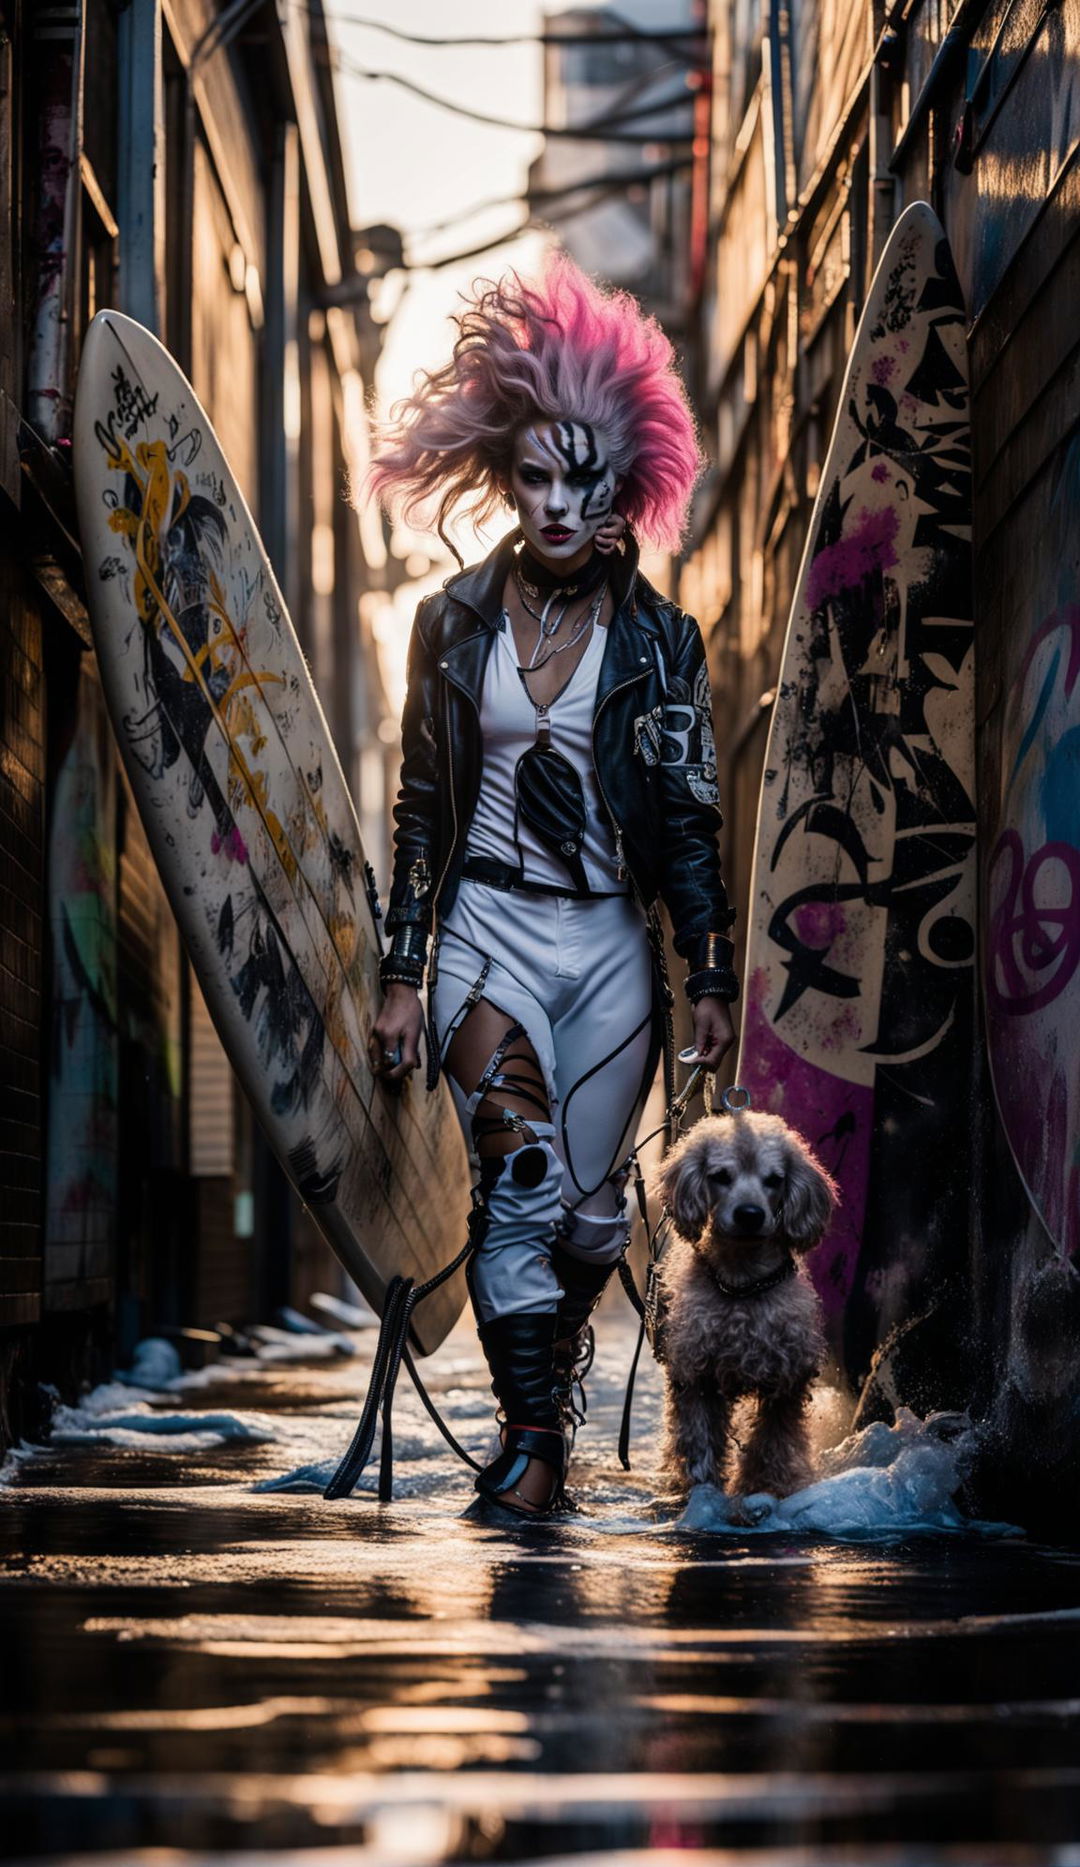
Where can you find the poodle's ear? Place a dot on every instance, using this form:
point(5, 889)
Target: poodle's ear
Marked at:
point(683, 1186)
point(810, 1197)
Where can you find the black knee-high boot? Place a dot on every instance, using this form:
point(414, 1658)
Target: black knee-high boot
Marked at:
point(520, 1355)
point(583, 1283)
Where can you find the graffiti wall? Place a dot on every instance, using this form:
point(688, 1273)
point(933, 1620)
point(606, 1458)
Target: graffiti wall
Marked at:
point(1032, 872)
point(82, 1123)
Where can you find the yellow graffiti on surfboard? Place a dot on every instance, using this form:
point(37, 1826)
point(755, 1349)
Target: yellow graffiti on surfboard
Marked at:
point(165, 495)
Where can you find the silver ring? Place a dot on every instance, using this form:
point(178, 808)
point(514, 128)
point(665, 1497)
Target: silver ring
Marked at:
point(731, 1105)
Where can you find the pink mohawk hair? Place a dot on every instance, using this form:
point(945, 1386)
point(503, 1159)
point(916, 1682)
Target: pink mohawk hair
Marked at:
point(560, 350)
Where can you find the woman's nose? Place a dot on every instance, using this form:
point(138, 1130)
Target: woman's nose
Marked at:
point(556, 502)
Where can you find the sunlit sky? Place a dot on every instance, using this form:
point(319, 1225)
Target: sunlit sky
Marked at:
point(420, 167)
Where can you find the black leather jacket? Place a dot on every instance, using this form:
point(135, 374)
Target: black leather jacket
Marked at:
point(654, 751)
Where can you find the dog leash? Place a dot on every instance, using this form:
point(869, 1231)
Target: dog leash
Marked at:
point(402, 1296)
point(735, 1100)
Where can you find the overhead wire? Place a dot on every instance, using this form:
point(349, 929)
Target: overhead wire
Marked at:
point(601, 193)
point(539, 197)
point(627, 35)
point(597, 129)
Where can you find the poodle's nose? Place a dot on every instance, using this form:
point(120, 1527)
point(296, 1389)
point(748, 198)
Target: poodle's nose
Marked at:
point(749, 1218)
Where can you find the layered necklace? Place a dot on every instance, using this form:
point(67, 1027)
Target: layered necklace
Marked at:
point(548, 598)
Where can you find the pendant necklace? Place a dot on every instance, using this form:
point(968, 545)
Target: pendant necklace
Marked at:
point(551, 619)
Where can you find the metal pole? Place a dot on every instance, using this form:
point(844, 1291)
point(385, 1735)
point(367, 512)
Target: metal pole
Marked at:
point(141, 165)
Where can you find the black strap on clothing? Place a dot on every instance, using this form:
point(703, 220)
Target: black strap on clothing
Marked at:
point(503, 875)
point(530, 1089)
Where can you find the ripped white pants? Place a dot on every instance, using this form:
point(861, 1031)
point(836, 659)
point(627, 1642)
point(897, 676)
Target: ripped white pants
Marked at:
point(577, 975)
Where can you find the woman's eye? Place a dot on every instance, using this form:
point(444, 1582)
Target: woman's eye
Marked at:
point(532, 478)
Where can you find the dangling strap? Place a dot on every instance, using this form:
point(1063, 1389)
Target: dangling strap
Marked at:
point(673, 1122)
point(402, 1297)
point(626, 1278)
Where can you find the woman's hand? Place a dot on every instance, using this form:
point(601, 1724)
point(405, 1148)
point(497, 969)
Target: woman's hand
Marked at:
point(714, 1032)
point(607, 535)
point(396, 1031)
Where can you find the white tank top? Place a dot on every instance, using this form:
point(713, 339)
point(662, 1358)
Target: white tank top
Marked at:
point(508, 726)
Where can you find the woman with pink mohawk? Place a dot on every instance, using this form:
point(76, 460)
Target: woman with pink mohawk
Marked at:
point(558, 781)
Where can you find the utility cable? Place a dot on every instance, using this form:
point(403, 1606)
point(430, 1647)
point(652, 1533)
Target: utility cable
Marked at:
point(595, 130)
point(539, 197)
point(627, 35)
point(523, 226)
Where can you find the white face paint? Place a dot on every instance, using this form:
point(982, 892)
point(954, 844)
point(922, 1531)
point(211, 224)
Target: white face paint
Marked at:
point(564, 484)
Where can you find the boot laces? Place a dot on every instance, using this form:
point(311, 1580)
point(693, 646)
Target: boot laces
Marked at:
point(573, 1365)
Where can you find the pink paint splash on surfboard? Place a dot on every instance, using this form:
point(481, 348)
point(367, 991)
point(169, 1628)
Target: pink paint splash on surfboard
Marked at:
point(835, 1117)
point(870, 547)
point(232, 843)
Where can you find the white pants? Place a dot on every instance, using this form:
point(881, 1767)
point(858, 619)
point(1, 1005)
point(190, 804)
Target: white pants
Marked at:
point(578, 976)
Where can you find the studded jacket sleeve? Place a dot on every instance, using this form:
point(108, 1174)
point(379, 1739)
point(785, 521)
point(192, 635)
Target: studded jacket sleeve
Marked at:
point(408, 917)
point(691, 884)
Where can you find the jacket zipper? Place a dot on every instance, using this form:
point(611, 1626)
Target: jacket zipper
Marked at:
point(622, 871)
point(450, 763)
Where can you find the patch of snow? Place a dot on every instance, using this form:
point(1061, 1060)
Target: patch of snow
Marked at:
point(276, 1345)
point(99, 1421)
point(312, 1477)
point(154, 1363)
point(13, 1461)
point(350, 1315)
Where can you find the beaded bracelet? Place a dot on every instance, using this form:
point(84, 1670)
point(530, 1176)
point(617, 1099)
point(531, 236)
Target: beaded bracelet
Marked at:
point(392, 972)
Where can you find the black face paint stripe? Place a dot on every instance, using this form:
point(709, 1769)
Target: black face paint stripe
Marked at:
point(560, 444)
point(567, 433)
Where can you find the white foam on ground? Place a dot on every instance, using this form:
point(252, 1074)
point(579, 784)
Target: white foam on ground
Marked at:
point(350, 1314)
point(415, 1467)
point(97, 1420)
point(155, 1363)
point(880, 1484)
point(283, 1345)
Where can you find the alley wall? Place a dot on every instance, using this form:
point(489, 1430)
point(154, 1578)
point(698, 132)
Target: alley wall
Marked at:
point(155, 159)
point(827, 120)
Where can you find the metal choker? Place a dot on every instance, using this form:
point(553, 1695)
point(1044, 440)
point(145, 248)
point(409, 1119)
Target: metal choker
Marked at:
point(538, 580)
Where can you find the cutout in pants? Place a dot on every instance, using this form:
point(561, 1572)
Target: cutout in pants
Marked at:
point(578, 976)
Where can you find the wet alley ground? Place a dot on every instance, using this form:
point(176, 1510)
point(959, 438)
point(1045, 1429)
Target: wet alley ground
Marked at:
point(195, 1669)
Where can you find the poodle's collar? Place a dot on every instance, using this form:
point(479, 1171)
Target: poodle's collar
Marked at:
point(758, 1285)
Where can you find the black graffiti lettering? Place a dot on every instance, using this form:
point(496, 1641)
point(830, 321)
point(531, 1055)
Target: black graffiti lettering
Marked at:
point(131, 404)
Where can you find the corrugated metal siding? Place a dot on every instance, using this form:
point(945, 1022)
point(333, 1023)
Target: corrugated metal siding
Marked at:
point(211, 1093)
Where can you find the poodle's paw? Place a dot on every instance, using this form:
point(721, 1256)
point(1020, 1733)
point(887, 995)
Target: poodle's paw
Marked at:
point(750, 1511)
point(707, 1508)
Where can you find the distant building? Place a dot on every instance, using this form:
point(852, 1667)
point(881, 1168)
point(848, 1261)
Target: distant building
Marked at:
point(622, 203)
point(190, 173)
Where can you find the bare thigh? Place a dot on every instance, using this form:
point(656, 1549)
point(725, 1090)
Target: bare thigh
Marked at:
point(479, 1039)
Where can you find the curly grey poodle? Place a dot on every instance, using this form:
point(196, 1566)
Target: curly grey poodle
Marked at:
point(739, 1316)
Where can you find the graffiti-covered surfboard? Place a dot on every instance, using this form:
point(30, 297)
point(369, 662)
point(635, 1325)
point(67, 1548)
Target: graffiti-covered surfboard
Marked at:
point(250, 820)
point(858, 1024)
